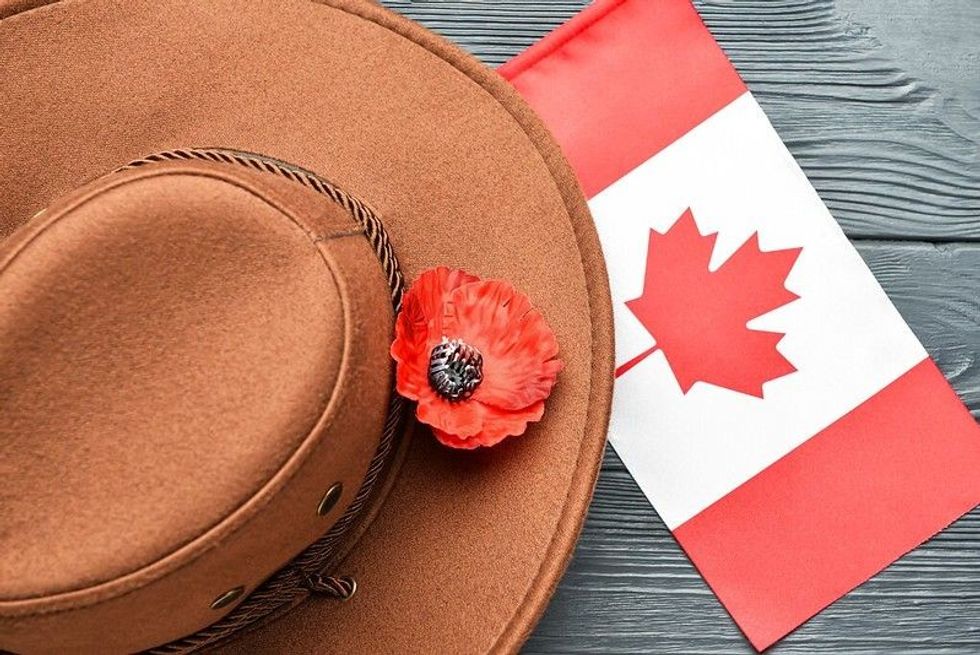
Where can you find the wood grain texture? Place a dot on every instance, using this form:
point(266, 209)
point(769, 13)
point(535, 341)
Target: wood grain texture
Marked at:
point(891, 155)
point(630, 589)
point(879, 100)
point(936, 287)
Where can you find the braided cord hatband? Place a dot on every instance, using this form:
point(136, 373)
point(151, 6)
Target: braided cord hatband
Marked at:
point(303, 575)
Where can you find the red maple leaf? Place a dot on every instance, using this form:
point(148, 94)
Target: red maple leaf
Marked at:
point(699, 316)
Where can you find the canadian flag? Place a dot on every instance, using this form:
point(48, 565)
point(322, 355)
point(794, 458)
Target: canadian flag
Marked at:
point(770, 401)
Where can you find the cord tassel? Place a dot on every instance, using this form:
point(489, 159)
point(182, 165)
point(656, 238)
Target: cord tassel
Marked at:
point(341, 588)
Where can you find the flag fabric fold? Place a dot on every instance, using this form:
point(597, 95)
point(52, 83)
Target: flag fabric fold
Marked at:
point(770, 401)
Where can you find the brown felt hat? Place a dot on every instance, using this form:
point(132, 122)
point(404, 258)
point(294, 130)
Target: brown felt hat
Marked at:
point(207, 210)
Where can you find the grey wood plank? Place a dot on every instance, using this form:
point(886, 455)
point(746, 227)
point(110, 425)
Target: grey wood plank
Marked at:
point(630, 588)
point(892, 156)
point(936, 287)
point(879, 101)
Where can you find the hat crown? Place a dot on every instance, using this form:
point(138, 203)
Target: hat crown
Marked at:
point(193, 355)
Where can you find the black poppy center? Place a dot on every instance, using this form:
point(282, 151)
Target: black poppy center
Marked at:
point(455, 369)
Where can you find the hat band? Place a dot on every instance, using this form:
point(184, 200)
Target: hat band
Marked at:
point(303, 575)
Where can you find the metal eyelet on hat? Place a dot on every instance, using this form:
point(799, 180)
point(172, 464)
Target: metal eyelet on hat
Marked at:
point(330, 499)
point(227, 598)
point(269, 597)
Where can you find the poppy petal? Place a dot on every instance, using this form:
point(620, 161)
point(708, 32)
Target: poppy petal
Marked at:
point(496, 428)
point(517, 344)
point(464, 419)
point(518, 348)
point(418, 326)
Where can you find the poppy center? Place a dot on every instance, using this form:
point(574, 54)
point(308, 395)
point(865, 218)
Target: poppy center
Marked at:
point(455, 369)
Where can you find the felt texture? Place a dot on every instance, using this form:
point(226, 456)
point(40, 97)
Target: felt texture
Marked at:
point(192, 355)
point(466, 547)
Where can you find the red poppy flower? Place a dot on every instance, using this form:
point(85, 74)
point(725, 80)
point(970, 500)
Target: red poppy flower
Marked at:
point(475, 355)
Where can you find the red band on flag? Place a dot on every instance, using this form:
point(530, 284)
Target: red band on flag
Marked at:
point(838, 508)
point(611, 87)
point(617, 85)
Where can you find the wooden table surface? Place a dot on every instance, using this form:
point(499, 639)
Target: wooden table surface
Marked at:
point(879, 100)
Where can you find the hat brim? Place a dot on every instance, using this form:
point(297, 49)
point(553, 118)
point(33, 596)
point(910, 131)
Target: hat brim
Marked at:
point(467, 547)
